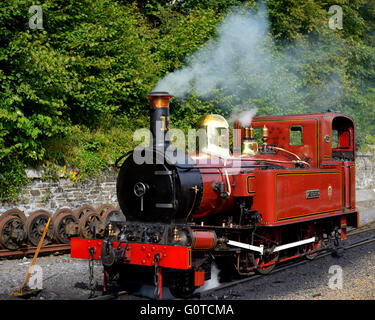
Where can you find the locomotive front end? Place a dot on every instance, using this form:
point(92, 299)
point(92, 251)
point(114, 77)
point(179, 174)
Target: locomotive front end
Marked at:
point(159, 183)
point(158, 188)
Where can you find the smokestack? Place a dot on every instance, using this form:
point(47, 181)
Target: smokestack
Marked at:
point(159, 118)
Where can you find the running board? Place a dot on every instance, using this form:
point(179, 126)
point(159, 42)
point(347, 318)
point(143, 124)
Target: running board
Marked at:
point(260, 249)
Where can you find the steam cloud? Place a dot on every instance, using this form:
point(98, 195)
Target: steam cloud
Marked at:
point(213, 282)
point(243, 117)
point(217, 64)
point(244, 65)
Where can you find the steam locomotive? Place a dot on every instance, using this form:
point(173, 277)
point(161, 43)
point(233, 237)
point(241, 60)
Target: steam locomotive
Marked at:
point(286, 190)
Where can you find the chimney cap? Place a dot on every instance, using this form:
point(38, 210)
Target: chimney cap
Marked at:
point(160, 94)
point(159, 99)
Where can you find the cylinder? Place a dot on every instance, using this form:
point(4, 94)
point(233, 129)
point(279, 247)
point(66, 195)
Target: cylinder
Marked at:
point(204, 240)
point(159, 119)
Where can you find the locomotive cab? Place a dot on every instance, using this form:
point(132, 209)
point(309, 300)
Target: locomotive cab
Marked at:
point(342, 139)
point(340, 144)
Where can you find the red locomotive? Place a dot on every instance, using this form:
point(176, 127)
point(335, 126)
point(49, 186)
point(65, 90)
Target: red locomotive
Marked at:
point(287, 190)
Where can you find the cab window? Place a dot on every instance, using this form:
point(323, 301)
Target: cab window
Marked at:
point(342, 139)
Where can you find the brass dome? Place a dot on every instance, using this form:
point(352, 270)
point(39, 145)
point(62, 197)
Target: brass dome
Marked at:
point(214, 120)
point(216, 140)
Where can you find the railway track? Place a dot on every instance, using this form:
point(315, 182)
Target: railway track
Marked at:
point(65, 248)
point(356, 237)
point(52, 248)
point(282, 267)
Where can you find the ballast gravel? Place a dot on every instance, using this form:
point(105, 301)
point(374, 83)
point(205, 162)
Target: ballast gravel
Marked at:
point(62, 276)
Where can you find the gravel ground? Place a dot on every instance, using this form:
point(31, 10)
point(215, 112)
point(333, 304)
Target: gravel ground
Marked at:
point(66, 278)
point(63, 277)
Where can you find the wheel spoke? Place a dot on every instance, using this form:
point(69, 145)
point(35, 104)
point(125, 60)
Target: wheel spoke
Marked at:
point(265, 263)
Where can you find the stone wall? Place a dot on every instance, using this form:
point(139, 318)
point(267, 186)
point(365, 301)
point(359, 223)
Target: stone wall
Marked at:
point(50, 195)
point(365, 171)
point(365, 181)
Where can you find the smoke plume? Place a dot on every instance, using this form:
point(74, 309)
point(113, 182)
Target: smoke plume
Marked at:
point(243, 64)
point(236, 49)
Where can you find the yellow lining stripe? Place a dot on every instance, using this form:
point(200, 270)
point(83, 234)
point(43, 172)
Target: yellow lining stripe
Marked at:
point(309, 214)
point(247, 182)
point(329, 156)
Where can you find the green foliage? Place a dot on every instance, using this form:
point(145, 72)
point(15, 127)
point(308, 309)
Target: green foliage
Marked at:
point(291, 18)
point(92, 59)
point(12, 178)
point(89, 151)
point(181, 35)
